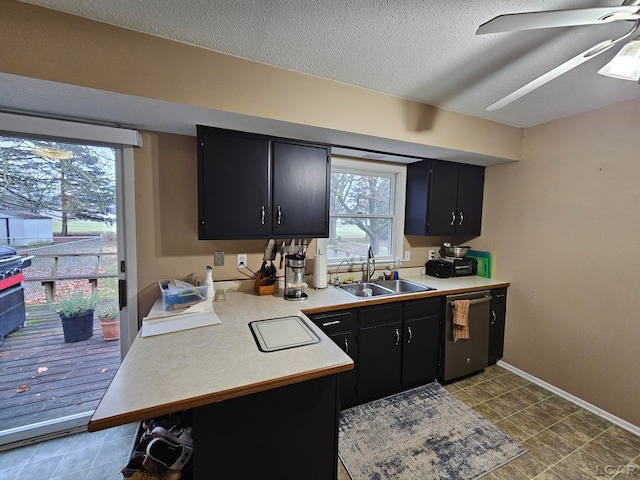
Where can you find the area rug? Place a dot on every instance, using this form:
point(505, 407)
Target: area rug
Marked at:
point(425, 433)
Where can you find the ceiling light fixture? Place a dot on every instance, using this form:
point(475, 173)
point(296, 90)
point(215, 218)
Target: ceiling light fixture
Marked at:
point(626, 64)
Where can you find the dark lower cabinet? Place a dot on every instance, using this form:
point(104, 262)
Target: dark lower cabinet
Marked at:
point(379, 356)
point(421, 341)
point(497, 323)
point(286, 433)
point(340, 326)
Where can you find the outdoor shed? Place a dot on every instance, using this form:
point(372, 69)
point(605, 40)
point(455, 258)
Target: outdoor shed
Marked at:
point(20, 229)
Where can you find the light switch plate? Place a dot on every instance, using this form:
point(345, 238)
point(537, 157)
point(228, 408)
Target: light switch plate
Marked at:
point(218, 259)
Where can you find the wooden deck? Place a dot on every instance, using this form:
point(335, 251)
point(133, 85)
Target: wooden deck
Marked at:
point(43, 378)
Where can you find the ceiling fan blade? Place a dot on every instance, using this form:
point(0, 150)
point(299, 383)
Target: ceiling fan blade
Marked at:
point(557, 18)
point(551, 74)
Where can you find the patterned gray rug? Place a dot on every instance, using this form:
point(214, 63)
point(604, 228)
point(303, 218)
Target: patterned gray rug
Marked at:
point(425, 433)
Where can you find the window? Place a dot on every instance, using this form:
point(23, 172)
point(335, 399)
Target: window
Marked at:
point(366, 208)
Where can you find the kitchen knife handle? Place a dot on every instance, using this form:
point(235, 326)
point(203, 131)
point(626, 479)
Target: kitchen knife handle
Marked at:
point(461, 217)
point(262, 215)
point(410, 334)
point(279, 214)
point(397, 337)
point(453, 218)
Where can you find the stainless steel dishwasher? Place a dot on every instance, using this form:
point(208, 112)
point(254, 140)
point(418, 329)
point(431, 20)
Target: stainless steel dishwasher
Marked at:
point(471, 354)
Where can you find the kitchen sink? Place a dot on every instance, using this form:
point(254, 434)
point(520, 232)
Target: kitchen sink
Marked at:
point(383, 288)
point(403, 286)
point(356, 289)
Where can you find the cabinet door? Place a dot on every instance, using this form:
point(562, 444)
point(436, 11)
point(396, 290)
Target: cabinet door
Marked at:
point(347, 380)
point(300, 190)
point(470, 192)
point(443, 197)
point(233, 185)
point(421, 350)
point(497, 324)
point(379, 360)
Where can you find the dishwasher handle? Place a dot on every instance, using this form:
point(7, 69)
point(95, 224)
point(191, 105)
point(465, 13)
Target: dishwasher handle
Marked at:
point(475, 301)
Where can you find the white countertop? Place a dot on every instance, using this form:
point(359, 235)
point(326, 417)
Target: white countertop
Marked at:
point(185, 369)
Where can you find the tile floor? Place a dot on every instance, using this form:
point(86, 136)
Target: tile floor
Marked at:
point(84, 456)
point(565, 442)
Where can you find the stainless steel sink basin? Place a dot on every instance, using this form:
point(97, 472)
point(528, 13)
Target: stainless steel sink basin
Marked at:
point(356, 289)
point(383, 287)
point(403, 286)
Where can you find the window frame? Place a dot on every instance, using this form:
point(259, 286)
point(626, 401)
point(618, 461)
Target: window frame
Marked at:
point(398, 173)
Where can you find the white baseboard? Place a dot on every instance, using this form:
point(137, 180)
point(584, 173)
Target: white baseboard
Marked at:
point(573, 399)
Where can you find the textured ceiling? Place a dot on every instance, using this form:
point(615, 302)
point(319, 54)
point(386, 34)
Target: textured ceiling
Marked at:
point(424, 50)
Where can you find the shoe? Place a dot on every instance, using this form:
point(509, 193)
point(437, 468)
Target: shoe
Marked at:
point(174, 435)
point(135, 470)
point(174, 456)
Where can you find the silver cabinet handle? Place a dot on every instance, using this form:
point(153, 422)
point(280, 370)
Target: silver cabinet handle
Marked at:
point(461, 218)
point(346, 346)
point(453, 218)
point(262, 215)
point(493, 314)
point(335, 322)
point(279, 214)
point(397, 337)
point(410, 334)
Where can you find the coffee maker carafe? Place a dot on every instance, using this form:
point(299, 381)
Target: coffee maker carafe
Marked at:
point(294, 277)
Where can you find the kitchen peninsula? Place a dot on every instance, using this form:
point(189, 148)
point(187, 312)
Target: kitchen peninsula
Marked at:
point(277, 411)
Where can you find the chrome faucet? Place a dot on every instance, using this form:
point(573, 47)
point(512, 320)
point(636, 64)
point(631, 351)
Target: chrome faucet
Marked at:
point(371, 266)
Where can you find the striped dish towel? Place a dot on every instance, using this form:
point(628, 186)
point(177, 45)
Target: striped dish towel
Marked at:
point(460, 320)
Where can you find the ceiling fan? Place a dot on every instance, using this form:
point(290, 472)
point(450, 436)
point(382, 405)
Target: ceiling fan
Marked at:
point(628, 11)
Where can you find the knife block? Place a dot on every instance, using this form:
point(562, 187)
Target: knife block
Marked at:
point(261, 288)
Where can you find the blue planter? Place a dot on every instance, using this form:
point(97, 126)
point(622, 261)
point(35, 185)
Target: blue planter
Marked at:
point(78, 327)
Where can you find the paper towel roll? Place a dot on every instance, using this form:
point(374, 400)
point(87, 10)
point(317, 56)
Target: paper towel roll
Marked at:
point(320, 271)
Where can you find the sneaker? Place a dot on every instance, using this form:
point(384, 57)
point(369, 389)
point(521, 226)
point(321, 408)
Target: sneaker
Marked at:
point(174, 435)
point(174, 456)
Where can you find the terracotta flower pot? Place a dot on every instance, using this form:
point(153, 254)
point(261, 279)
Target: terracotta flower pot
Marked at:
point(110, 329)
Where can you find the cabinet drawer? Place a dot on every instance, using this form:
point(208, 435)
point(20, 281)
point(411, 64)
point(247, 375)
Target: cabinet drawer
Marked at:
point(331, 322)
point(380, 315)
point(499, 295)
point(422, 307)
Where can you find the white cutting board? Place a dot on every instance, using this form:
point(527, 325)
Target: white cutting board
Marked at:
point(280, 333)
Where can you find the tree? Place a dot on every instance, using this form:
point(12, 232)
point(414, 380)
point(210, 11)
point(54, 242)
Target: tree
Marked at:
point(359, 198)
point(72, 181)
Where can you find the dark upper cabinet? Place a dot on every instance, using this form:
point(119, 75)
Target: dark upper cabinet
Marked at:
point(300, 190)
point(254, 186)
point(444, 198)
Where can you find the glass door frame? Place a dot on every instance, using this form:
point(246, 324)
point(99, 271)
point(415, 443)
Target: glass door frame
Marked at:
point(123, 142)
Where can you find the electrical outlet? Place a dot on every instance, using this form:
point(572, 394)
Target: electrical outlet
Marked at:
point(432, 254)
point(241, 261)
point(218, 259)
point(407, 255)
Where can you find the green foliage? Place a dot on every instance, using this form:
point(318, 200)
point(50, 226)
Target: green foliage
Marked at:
point(108, 313)
point(76, 304)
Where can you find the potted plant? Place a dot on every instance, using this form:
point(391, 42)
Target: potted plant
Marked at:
point(109, 322)
point(76, 313)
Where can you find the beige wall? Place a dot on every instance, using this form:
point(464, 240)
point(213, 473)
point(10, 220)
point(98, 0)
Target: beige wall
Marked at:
point(565, 226)
point(45, 44)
